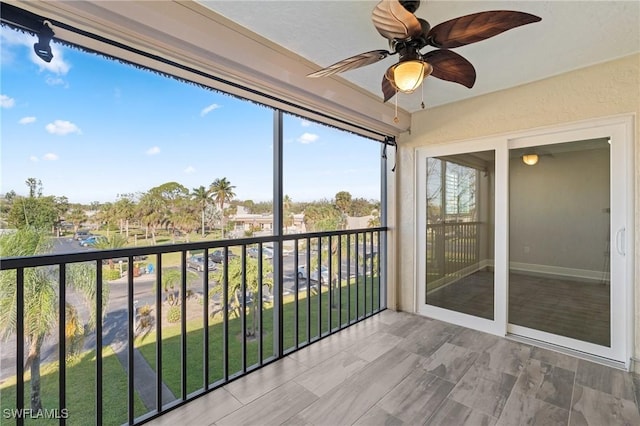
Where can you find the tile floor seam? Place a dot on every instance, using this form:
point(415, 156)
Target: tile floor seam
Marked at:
point(573, 393)
point(261, 396)
point(439, 406)
point(506, 402)
point(635, 390)
point(455, 384)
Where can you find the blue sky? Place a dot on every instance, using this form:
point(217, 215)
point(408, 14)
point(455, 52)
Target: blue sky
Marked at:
point(91, 128)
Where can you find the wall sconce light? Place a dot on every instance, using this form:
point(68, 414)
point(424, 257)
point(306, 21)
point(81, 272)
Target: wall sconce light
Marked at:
point(43, 46)
point(530, 159)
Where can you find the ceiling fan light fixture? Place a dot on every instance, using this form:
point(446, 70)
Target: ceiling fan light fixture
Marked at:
point(530, 159)
point(407, 76)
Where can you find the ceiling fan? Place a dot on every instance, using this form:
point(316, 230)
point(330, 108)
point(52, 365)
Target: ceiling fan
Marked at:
point(395, 20)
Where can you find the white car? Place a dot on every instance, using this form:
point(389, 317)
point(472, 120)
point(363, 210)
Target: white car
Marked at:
point(324, 274)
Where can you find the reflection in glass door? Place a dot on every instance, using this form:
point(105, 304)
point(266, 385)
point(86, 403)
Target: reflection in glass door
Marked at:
point(559, 240)
point(460, 192)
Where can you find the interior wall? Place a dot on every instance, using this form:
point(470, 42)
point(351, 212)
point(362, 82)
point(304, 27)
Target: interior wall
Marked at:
point(601, 90)
point(559, 213)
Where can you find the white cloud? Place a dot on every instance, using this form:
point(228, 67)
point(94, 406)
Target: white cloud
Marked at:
point(34, 159)
point(27, 120)
point(6, 101)
point(50, 157)
point(57, 65)
point(190, 170)
point(305, 123)
point(153, 150)
point(62, 127)
point(307, 138)
point(208, 109)
point(56, 81)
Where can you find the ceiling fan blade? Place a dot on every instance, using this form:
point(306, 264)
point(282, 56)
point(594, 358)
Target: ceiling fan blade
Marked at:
point(388, 91)
point(353, 62)
point(393, 21)
point(477, 27)
point(448, 65)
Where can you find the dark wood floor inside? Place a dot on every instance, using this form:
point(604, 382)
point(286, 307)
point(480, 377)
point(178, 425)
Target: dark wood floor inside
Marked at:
point(571, 308)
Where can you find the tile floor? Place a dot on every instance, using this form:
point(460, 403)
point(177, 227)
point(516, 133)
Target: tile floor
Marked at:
point(398, 368)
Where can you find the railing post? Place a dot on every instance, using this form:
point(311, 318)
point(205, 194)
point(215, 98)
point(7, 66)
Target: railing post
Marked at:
point(20, 343)
point(278, 320)
point(99, 404)
point(159, 332)
point(130, 342)
point(62, 347)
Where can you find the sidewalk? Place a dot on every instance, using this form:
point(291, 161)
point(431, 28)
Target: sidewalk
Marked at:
point(144, 278)
point(144, 380)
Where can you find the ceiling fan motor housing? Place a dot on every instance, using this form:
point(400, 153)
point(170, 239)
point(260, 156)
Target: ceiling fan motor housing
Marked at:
point(410, 5)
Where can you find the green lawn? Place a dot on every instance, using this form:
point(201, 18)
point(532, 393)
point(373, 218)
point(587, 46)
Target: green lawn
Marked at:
point(81, 392)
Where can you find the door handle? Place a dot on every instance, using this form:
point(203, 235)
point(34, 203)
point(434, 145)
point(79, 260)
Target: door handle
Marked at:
point(620, 241)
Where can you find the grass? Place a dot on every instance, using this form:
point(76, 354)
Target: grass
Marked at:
point(81, 391)
point(171, 336)
point(81, 374)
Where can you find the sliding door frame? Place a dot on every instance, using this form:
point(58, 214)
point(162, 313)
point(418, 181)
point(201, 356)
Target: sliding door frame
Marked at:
point(621, 131)
point(498, 324)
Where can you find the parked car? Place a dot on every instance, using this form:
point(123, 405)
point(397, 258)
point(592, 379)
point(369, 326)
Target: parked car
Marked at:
point(197, 263)
point(92, 240)
point(323, 276)
point(267, 252)
point(82, 235)
point(218, 256)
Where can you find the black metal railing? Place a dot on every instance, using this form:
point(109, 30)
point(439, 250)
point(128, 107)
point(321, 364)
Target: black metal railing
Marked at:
point(172, 330)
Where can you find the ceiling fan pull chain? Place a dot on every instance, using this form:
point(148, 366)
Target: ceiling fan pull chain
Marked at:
point(422, 100)
point(396, 119)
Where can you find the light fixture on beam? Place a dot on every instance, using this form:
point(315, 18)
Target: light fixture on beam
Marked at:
point(530, 159)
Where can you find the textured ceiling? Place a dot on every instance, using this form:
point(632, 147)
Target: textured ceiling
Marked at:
point(571, 35)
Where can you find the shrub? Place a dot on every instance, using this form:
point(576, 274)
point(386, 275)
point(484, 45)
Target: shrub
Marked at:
point(110, 274)
point(174, 314)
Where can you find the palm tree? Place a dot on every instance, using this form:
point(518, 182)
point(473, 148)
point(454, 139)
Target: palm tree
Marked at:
point(251, 285)
point(203, 197)
point(77, 216)
point(113, 242)
point(286, 211)
point(40, 298)
point(124, 210)
point(151, 211)
point(183, 216)
point(222, 192)
point(106, 215)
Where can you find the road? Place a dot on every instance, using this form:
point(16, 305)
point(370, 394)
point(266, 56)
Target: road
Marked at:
point(115, 321)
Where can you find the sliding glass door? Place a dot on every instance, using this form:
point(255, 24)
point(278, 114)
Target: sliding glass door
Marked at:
point(559, 239)
point(459, 233)
point(531, 236)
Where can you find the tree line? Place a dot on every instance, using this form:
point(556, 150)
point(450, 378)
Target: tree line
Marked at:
point(173, 207)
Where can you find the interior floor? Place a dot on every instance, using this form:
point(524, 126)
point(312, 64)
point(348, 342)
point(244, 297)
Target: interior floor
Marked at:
point(571, 308)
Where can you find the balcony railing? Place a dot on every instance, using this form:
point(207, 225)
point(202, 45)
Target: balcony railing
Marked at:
point(169, 332)
point(451, 248)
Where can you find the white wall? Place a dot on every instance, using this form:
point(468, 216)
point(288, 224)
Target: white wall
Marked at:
point(558, 212)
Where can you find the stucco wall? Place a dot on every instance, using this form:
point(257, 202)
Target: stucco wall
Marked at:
point(598, 91)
